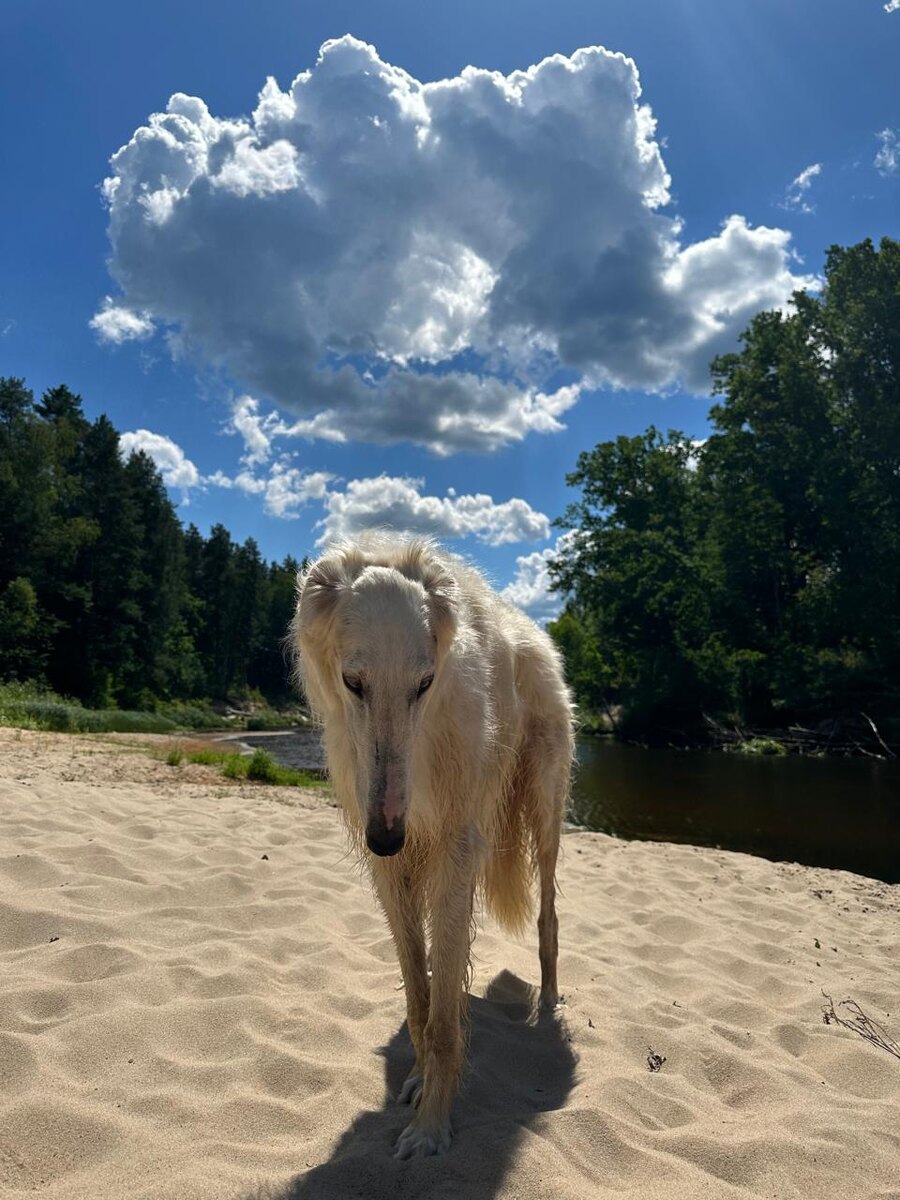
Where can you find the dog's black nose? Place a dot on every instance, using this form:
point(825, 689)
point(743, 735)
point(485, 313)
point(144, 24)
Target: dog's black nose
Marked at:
point(383, 841)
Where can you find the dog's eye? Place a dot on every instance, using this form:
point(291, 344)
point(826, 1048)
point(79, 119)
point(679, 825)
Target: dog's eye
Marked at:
point(425, 685)
point(352, 685)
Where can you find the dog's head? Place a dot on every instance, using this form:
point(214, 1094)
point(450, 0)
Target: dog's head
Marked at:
point(372, 630)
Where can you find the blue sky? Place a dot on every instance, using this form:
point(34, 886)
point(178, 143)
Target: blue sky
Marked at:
point(368, 300)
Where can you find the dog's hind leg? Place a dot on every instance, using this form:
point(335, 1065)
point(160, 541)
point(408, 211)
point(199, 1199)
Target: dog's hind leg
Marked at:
point(402, 899)
point(548, 923)
point(547, 786)
point(451, 883)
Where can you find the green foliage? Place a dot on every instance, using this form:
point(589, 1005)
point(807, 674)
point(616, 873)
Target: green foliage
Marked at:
point(755, 577)
point(209, 757)
point(234, 766)
point(104, 596)
point(259, 767)
point(23, 643)
point(29, 706)
point(271, 719)
point(760, 746)
point(120, 720)
point(196, 716)
point(262, 768)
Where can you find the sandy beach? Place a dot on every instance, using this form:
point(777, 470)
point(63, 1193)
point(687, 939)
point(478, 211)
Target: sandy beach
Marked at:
point(200, 1001)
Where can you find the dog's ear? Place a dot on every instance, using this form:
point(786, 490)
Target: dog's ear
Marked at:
point(442, 592)
point(319, 589)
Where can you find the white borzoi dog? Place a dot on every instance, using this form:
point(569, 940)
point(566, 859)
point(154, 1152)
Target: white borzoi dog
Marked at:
point(448, 734)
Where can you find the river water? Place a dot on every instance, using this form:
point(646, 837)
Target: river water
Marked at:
point(828, 812)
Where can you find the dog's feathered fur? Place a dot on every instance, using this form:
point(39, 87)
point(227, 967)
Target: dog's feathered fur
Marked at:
point(468, 773)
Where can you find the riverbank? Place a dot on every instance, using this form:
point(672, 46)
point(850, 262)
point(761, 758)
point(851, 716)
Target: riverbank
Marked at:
point(850, 736)
point(199, 1001)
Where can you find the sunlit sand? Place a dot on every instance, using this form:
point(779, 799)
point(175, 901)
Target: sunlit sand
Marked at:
point(199, 1001)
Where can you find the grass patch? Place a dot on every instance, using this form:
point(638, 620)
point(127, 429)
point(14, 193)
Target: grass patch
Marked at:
point(28, 706)
point(193, 716)
point(259, 767)
point(760, 746)
point(261, 722)
point(209, 757)
point(33, 706)
point(234, 766)
point(262, 768)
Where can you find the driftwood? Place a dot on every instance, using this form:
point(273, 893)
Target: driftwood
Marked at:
point(841, 736)
point(878, 736)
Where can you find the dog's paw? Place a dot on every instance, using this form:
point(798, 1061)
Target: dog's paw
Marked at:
point(411, 1092)
point(419, 1141)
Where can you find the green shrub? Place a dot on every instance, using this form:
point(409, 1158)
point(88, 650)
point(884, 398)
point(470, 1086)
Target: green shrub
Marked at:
point(260, 722)
point(234, 766)
point(117, 720)
point(44, 714)
point(262, 768)
point(193, 716)
point(175, 757)
point(761, 745)
point(30, 706)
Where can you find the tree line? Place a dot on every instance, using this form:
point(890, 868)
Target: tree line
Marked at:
point(104, 595)
point(753, 577)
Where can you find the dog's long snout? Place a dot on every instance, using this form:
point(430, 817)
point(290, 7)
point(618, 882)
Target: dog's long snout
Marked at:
point(381, 840)
point(386, 825)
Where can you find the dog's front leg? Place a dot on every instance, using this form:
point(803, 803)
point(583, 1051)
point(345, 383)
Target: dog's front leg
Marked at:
point(403, 901)
point(450, 904)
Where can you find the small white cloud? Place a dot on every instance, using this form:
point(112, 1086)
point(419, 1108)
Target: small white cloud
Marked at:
point(116, 324)
point(530, 589)
point(289, 489)
point(255, 430)
point(796, 192)
point(177, 470)
point(887, 160)
point(285, 490)
point(727, 279)
point(892, 6)
point(397, 503)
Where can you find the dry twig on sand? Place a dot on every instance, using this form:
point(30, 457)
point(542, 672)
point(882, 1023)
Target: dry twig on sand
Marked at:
point(860, 1023)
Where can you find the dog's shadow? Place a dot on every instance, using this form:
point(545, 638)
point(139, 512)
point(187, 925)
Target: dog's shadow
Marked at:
point(521, 1065)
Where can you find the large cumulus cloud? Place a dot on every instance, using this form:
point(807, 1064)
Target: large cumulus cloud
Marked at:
point(390, 260)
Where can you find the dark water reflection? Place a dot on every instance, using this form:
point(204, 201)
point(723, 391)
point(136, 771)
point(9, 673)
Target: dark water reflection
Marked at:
point(832, 812)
